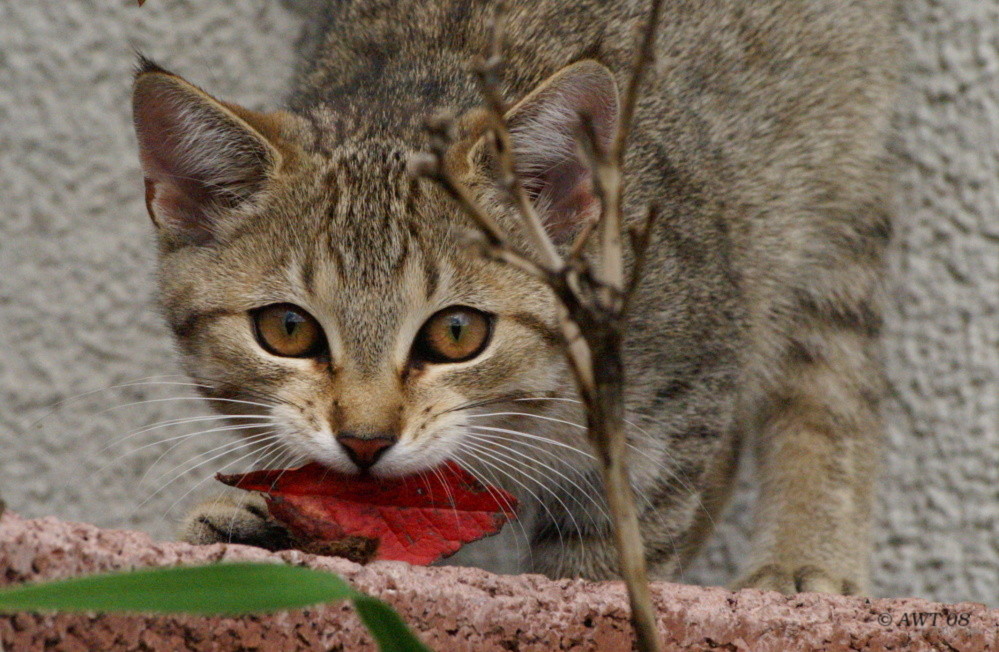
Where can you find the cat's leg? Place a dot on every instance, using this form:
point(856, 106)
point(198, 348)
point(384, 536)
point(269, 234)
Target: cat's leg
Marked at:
point(231, 518)
point(818, 445)
point(570, 536)
point(567, 555)
point(668, 537)
point(676, 513)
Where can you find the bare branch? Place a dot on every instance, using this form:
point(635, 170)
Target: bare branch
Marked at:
point(502, 252)
point(432, 166)
point(626, 530)
point(608, 177)
point(581, 240)
point(640, 239)
point(578, 351)
point(606, 185)
point(488, 73)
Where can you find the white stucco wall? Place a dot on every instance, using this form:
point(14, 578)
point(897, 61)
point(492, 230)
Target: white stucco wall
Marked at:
point(77, 314)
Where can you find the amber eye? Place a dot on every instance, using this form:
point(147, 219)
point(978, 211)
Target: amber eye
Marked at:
point(453, 335)
point(289, 331)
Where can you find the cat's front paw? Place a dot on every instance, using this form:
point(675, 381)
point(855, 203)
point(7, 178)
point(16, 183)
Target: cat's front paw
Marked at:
point(796, 579)
point(234, 519)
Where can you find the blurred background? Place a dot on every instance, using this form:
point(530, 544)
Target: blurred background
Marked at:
point(86, 367)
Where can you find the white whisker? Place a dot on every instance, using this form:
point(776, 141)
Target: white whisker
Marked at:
point(447, 490)
point(186, 398)
point(270, 454)
point(293, 457)
point(497, 457)
point(227, 428)
point(657, 463)
point(225, 448)
point(179, 422)
point(667, 470)
point(536, 437)
point(507, 474)
point(503, 454)
point(492, 438)
point(209, 477)
point(184, 438)
point(527, 414)
point(145, 381)
point(468, 466)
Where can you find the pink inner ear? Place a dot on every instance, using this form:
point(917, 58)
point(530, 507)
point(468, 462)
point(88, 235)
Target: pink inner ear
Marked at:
point(197, 160)
point(182, 206)
point(544, 129)
point(564, 196)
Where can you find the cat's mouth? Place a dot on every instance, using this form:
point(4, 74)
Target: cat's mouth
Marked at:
point(379, 457)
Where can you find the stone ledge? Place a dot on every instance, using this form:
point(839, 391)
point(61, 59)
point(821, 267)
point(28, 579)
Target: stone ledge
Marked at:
point(456, 608)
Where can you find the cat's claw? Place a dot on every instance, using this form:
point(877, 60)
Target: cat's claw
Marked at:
point(799, 579)
point(228, 519)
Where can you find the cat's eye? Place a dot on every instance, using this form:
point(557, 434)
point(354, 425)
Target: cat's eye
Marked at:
point(454, 334)
point(288, 331)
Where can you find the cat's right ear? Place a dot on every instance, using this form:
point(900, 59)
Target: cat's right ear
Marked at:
point(200, 157)
point(543, 134)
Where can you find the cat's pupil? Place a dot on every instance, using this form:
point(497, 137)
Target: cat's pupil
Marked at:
point(457, 326)
point(291, 323)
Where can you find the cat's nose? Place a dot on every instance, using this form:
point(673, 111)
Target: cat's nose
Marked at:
point(365, 451)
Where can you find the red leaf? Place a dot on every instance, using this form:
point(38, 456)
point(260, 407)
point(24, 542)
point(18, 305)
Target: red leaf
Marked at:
point(418, 518)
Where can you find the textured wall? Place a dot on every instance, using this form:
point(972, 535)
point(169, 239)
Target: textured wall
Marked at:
point(77, 313)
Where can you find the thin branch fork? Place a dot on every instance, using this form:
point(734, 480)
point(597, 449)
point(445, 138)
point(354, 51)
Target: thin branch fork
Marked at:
point(431, 165)
point(593, 299)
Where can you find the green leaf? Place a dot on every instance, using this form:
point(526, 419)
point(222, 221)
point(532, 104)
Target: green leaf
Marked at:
point(219, 589)
point(386, 626)
point(216, 589)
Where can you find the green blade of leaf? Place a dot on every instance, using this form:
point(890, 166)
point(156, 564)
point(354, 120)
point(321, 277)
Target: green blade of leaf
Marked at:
point(216, 589)
point(386, 626)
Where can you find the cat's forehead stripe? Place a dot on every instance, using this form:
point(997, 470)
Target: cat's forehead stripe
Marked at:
point(431, 277)
point(308, 274)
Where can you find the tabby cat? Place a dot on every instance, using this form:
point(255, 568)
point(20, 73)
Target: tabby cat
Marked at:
point(305, 270)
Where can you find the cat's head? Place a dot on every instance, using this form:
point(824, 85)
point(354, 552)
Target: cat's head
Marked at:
point(324, 287)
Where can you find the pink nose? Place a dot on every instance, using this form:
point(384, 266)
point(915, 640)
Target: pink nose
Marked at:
point(365, 451)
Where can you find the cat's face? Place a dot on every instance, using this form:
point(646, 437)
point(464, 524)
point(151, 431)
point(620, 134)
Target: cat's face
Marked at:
point(334, 293)
point(358, 313)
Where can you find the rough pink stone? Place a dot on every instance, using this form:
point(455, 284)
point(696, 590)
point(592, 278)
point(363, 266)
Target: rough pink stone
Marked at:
point(456, 608)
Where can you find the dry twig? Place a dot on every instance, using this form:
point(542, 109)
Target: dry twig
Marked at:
point(593, 298)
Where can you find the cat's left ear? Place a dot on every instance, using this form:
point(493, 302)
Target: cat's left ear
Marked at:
point(543, 131)
point(201, 158)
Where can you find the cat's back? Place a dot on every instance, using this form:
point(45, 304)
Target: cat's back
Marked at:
point(779, 109)
point(725, 55)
